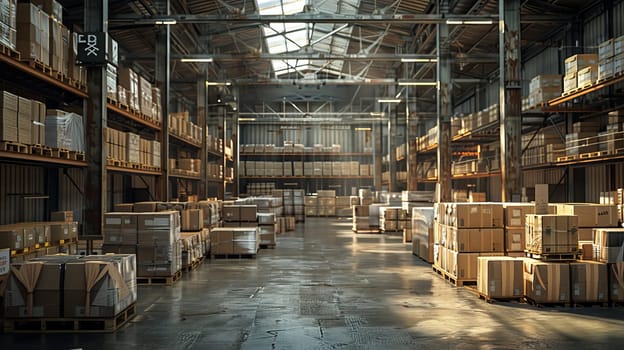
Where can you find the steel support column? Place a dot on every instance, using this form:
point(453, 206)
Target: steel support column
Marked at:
point(95, 20)
point(444, 107)
point(510, 100)
point(202, 117)
point(162, 74)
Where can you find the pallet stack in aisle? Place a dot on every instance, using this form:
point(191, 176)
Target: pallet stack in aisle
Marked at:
point(515, 227)
point(193, 236)
point(343, 206)
point(422, 232)
point(64, 293)
point(267, 226)
point(326, 202)
point(590, 216)
point(153, 237)
point(392, 219)
point(362, 220)
point(465, 231)
point(311, 205)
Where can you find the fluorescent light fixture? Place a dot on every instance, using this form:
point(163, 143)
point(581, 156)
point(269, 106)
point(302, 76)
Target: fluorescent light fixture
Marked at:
point(246, 119)
point(418, 83)
point(363, 129)
point(389, 100)
point(197, 59)
point(475, 21)
point(377, 114)
point(418, 60)
point(217, 83)
point(166, 22)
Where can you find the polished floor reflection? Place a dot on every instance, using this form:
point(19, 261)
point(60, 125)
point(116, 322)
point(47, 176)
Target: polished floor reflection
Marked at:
point(324, 287)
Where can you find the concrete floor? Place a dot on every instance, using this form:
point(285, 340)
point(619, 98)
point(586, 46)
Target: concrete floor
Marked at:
point(325, 288)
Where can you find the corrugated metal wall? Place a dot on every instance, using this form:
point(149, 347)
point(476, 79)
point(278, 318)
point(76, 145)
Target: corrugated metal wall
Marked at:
point(594, 32)
point(71, 196)
point(17, 184)
point(597, 180)
point(547, 62)
point(618, 19)
point(549, 176)
point(494, 188)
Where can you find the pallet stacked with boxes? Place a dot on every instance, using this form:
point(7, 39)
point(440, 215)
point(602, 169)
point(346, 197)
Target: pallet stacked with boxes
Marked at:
point(580, 71)
point(311, 205)
point(392, 219)
point(153, 236)
point(129, 148)
point(193, 237)
point(590, 216)
point(326, 202)
point(181, 126)
point(361, 220)
point(464, 232)
point(64, 293)
point(267, 226)
point(422, 232)
point(515, 227)
point(543, 88)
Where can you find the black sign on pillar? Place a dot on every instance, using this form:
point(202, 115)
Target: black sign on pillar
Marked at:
point(92, 49)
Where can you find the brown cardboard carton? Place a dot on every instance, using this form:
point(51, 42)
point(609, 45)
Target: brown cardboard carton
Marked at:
point(616, 282)
point(589, 283)
point(192, 219)
point(546, 282)
point(551, 234)
point(248, 213)
point(591, 215)
point(360, 210)
point(515, 239)
point(64, 216)
point(221, 241)
point(231, 212)
point(11, 237)
point(119, 249)
point(609, 244)
point(515, 213)
point(500, 277)
point(467, 215)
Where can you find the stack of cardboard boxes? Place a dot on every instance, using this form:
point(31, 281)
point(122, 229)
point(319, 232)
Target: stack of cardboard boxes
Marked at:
point(8, 23)
point(326, 202)
point(465, 231)
point(422, 232)
point(64, 130)
point(30, 240)
point(88, 287)
point(181, 126)
point(193, 237)
point(580, 71)
point(515, 227)
point(392, 219)
point(131, 148)
point(267, 229)
point(239, 234)
point(361, 218)
point(543, 88)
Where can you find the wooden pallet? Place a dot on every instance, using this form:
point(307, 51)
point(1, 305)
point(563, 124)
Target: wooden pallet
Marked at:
point(233, 256)
point(79, 156)
point(11, 146)
point(61, 153)
point(553, 257)
point(458, 282)
point(41, 150)
point(15, 252)
point(566, 158)
point(600, 81)
point(7, 51)
point(160, 280)
point(490, 300)
point(193, 265)
point(38, 65)
point(70, 325)
point(540, 304)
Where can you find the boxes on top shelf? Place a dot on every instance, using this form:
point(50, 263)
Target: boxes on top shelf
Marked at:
point(587, 76)
point(51, 7)
point(545, 82)
point(569, 82)
point(33, 33)
point(605, 69)
point(577, 62)
point(605, 50)
point(618, 64)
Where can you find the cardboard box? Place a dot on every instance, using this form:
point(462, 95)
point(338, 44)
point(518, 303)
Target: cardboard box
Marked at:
point(552, 234)
point(575, 63)
point(500, 277)
point(474, 215)
point(65, 216)
point(477, 240)
point(248, 213)
point(589, 282)
point(616, 282)
point(230, 212)
point(591, 215)
point(221, 241)
point(546, 282)
point(62, 231)
point(12, 238)
point(515, 239)
point(609, 244)
point(145, 207)
point(124, 207)
point(515, 213)
point(192, 219)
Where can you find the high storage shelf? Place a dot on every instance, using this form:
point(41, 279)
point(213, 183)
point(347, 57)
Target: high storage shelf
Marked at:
point(54, 88)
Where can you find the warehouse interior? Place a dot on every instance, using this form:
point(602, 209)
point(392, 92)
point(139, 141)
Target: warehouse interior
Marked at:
point(311, 174)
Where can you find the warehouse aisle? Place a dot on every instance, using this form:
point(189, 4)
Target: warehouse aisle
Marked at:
point(323, 288)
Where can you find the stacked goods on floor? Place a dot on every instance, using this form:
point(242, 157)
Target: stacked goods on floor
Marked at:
point(326, 202)
point(267, 226)
point(552, 236)
point(515, 227)
point(590, 216)
point(366, 196)
point(239, 215)
point(234, 241)
point(152, 236)
point(465, 231)
point(69, 293)
point(193, 237)
point(361, 219)
point(30, 240)
point(311, 204)
point(293, 203)
point(422, 232)
point(392, 219)
point(500, 277)
point(343, 206)
point(414, 199)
